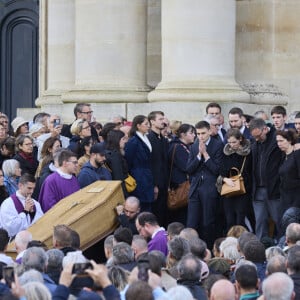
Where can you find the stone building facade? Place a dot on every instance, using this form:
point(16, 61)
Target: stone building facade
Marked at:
point(129, 57)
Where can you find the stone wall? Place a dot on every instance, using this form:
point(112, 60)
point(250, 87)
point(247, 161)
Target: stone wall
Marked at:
point(174, 56)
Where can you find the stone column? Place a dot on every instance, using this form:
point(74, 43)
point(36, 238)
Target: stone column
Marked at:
point(268, 57)
point(110, 56)
point(198, 52)
point(57, 41)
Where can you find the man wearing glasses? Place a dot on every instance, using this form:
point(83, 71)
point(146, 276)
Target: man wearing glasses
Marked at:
point(81, 111)
point(266, 160)
point(61, 183)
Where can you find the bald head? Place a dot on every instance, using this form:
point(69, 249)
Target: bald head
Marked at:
point(133, 200)
point(132, 207)
point(22, 239)
point(222, 290)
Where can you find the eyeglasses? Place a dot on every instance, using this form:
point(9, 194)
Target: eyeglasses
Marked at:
point(87, 112)
point(75, 162)
point(86, 127)
point(28, 144)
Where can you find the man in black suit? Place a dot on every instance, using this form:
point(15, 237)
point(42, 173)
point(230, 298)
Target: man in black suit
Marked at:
point(236, 120)
point(203, 167)
point(266, 160)
point(160, 170)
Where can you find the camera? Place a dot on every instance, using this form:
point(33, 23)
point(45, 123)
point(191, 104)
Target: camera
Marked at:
point(80, 268)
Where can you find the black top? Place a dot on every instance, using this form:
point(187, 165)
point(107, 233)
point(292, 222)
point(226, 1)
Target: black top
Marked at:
point(159, 158)
point(289, 173)
point(27, 165)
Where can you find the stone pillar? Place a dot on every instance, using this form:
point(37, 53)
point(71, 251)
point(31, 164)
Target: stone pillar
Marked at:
point(268, 57)
point(57, 47)
point(198, 52)
point(110, 56)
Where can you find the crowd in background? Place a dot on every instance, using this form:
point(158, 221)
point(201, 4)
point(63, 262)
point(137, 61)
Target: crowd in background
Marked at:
point(209, 245)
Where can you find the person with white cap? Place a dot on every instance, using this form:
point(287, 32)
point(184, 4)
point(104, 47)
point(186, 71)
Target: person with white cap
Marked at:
point(20, 126)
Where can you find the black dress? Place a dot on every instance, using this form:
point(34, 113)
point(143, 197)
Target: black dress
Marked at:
point(289, 173)
point(118, 166)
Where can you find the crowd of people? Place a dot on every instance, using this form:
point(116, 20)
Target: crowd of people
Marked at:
point(214, 244)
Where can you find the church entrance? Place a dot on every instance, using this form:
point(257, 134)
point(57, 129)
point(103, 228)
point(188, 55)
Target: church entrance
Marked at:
point(19, 37)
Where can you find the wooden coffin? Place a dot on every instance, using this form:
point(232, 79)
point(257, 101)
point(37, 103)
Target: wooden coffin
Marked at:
point(90, 211)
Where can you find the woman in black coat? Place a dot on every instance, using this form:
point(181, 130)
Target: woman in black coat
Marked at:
point(114, 154)
point(289, 171)
point(25, 155)
point(178, 156)
point(237, 152)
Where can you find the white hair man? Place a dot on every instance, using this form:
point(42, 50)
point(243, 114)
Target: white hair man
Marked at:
point(21, 241)
point(278, 286)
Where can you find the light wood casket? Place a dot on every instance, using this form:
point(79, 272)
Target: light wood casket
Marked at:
point(90, 211)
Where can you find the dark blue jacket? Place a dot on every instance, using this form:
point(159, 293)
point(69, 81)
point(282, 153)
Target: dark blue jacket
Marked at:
point(89, 174)
point(74, 144)
point(200, 170)
point(138, 157)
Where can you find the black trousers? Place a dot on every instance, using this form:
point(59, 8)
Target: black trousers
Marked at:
point(202, 212)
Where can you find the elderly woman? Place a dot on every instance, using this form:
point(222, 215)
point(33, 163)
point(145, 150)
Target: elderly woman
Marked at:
point(79, 129)
point(11, 171)
point(26, 158)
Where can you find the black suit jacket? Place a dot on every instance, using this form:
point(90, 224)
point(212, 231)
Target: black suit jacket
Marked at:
point(208, 171)
point(271, 161)
point(159, 159)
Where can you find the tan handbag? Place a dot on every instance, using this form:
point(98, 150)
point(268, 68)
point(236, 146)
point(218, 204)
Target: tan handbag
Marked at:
point(239, 186)
point(130, 184)
point(179, 197)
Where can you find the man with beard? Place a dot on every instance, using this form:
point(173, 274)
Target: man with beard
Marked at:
point(236, 120)
point(93, 170)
